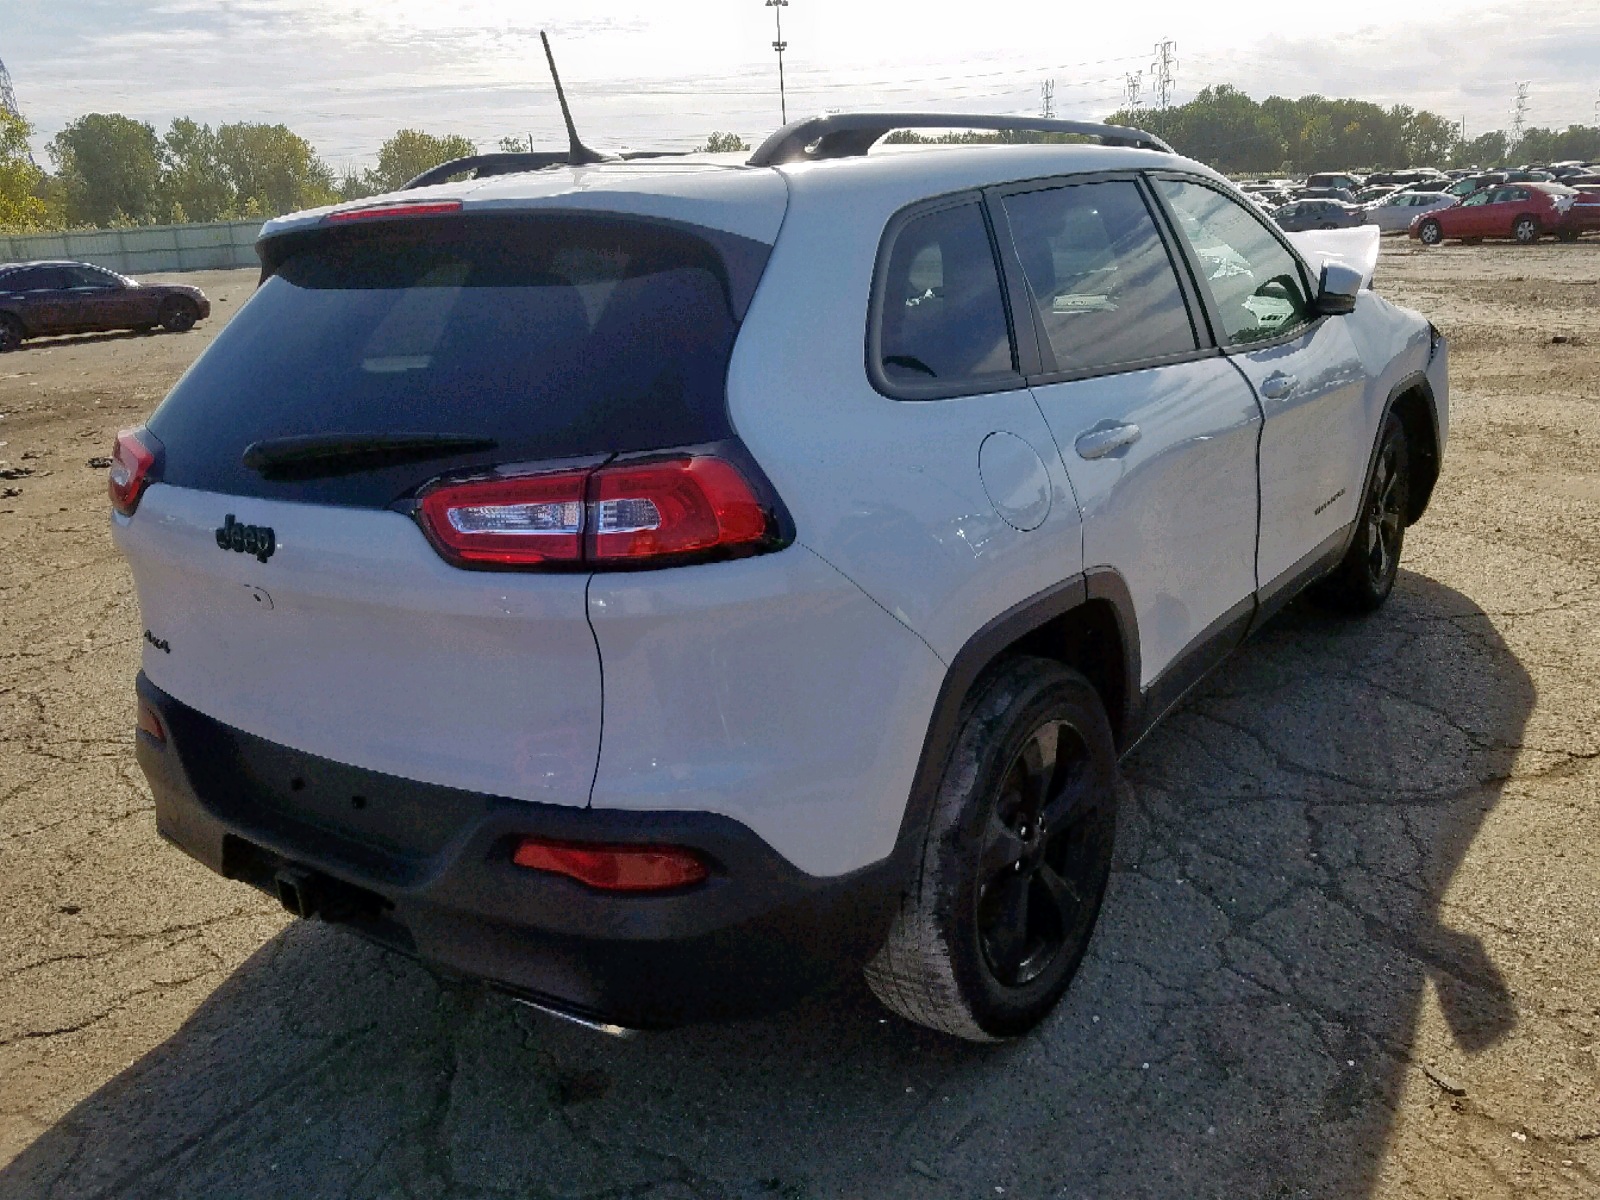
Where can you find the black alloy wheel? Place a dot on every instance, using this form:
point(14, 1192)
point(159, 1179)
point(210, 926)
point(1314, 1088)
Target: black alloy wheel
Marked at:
point(1365, 576)
point(1044, 858)
point(179, 315)
point(1013, 861)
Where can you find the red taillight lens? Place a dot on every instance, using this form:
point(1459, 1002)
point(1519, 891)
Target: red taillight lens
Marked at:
point(662, 509)
point(517, 522)
point(132, 458)
point(614, 868)
point(150, 722)
point(424, 208)
point(668, 510)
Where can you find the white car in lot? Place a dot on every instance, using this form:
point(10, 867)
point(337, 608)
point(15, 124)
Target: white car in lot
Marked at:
point(1395, 213)
point(649, 585)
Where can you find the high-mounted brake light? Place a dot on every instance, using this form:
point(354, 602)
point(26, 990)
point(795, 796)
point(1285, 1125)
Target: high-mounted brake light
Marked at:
point(133, 460)
point(421, 208)
point(665, 511)
point(614, 868)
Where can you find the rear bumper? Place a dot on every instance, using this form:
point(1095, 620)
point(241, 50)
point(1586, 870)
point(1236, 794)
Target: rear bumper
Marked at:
point(427, 870)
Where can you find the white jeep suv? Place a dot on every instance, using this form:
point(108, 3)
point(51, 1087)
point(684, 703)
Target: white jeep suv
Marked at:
point(646, 585)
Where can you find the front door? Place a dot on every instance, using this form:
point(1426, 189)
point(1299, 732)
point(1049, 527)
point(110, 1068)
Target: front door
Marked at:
point(1316, 434)
point(1157, 432)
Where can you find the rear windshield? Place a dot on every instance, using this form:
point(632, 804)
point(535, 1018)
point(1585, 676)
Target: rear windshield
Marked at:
point(553, 336)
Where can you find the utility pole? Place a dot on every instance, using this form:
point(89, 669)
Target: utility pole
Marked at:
point(1131, 98)
point(1047, 99)
point(1519, 114)
point(8, 96)
point(777, 7)
point(1164, 69)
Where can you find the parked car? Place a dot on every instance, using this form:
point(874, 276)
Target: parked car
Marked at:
point(1524, 212)
point(42, 299)
point(1335, 180)
point(1395, 213)
point(1342, 195)
point(846, 491)
point(1371, 195)
point(1468, 184)
point(1318, 214)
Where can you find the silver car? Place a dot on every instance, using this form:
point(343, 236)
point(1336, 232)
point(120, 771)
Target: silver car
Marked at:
point(1394, 213)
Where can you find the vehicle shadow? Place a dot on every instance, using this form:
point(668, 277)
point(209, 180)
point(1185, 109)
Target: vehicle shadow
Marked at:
point(1241, 1027)
point(87, 339)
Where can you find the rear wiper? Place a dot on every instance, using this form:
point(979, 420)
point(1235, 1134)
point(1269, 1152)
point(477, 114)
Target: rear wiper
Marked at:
point(312, 456)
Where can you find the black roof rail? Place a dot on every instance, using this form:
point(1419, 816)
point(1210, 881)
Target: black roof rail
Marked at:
point(848, 135)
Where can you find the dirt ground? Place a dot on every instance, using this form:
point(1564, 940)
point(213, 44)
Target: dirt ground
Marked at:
point(1351, 949)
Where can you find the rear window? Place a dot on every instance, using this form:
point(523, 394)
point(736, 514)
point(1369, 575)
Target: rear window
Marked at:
point(553, 336)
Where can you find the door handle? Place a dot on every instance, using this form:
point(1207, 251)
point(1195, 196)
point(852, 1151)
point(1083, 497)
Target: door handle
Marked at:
point(1276, 387)
point(1097, 443)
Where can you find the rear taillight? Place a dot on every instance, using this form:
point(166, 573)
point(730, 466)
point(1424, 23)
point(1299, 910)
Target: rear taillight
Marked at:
point(658, 512)
point(419, 208)
point(614, 868)
point(133, 462)
point(515, 522)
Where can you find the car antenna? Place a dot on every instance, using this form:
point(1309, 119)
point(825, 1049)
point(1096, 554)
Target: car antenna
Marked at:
point(580, 153)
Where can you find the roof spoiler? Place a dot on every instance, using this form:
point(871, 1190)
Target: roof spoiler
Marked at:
point(849, 135)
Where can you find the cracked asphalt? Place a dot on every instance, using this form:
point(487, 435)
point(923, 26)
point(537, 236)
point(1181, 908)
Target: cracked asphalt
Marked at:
point(1350, 949)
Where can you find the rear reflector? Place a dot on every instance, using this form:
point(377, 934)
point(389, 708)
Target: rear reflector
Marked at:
point(660, 512)
point(133, 458)
point(422, 208)
point(613, 868)
point(150, 722)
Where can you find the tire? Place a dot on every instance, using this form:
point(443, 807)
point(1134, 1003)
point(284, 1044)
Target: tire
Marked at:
point(179, 316)
point(1001, 906)
point(1430, 233)
point(1567, 235)
point(1365, 576)
point(1526, 230)
point(1327, 225)
point(11, 332)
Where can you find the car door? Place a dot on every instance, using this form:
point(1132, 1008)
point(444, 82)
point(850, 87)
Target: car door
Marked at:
point(106, 299)
point(1316, 435)
point(1467, 219)
point(1156, 431)
point(47, 306)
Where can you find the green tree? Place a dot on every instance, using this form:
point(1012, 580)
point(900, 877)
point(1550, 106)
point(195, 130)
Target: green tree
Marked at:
point(110, 166)
point(23, 204)
point(1549, 145)
point(410, 152)
point(1485, 150)
point(723, 143)
point(194, 182)
point(271, 169)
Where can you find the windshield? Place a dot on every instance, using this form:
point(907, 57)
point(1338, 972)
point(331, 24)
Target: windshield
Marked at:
point(547, 337)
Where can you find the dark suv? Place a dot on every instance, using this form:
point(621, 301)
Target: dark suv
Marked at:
point(39, 299)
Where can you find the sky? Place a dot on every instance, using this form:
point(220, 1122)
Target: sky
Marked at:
point(347, 73)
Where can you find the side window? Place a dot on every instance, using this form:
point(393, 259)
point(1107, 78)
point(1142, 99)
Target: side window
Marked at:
point(49, 279)
point(18, 281)
point(1255, 282)
point(1476, 199)
point(1101, 281)
point(942, 319)
point(89, 277)
point(1517, 194)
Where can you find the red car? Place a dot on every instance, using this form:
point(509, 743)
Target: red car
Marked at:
point(1524, 212)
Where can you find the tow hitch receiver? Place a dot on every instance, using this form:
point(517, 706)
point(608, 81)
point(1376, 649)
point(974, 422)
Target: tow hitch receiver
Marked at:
point(297, 891)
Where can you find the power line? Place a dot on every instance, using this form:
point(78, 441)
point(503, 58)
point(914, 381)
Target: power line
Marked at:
point(1047, 97)
point(8, 94)
point(1131, 98)
point(1519, 113)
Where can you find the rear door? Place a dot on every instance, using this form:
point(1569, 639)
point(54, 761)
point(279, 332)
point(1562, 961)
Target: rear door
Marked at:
point(297, 598)
point(47, 306)
point(1306, 371)
point(1157, 432)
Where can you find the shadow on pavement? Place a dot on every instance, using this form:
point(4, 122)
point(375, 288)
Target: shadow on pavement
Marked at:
point(1241, 1027)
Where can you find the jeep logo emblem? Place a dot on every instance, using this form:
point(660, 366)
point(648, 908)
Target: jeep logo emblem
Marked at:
point(246, 539)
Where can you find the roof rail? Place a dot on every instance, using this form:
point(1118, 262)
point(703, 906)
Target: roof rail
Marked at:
point(848, 135)
point(510, 162)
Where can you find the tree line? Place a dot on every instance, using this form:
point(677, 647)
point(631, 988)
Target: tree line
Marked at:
point(113, 170)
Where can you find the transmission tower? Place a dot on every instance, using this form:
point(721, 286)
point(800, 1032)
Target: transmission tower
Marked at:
point(1164, 73)
point(1519, 113)
point(1132, 99)
point(777, 7)
point(8, 95)
point(1047, 99)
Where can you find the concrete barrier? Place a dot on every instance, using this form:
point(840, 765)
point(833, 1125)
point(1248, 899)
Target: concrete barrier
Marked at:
point(145, 248)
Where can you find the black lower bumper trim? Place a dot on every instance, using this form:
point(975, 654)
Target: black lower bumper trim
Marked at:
point(427, 871)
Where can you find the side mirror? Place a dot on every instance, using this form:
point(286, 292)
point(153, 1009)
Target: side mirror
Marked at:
point(1337, 290)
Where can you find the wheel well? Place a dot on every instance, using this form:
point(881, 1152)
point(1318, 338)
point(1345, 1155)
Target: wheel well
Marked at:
point(1415, 410)
point(1088, 639)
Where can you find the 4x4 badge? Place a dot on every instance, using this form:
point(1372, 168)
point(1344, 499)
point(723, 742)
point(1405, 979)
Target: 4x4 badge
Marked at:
point(247, 539)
